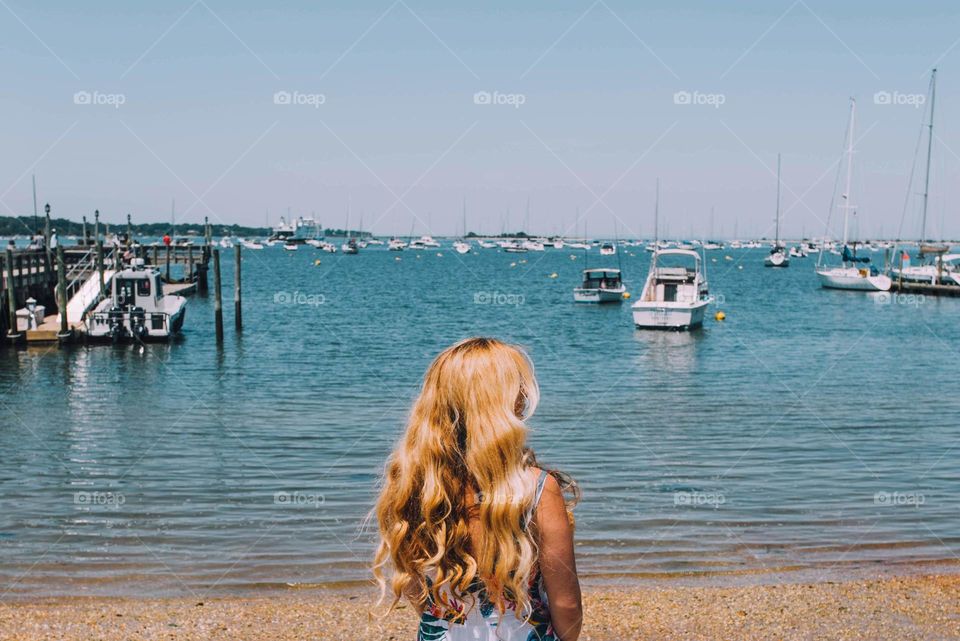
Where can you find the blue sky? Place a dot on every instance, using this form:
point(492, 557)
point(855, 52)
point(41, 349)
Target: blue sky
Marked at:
point(399, 133)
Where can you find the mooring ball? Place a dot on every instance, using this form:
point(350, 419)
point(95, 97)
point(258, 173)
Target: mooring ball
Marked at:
point(719, 316)
point(626, 295)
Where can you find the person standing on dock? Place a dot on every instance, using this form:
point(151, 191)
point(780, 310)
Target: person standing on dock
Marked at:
point(475, 535)
point(53, 240)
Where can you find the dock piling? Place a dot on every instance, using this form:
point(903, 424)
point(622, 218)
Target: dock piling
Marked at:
point(62, 293)
point(217, 296)
point(103, 286)
point(237, 306)
point(12, 332)
point(168, 263)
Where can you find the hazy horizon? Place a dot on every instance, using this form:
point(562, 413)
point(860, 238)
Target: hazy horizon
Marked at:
point(400, 111)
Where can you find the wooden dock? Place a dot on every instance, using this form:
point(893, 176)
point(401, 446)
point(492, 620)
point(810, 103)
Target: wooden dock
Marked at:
point(33, 273)
point(925, 289)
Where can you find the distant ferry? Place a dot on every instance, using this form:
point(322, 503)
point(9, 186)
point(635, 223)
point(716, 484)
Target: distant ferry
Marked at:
point(298, 230)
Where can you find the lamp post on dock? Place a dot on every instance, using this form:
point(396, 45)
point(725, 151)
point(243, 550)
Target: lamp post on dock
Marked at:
point(83, 237)
point(46, 239)
point(129, 232)
point(96, 226)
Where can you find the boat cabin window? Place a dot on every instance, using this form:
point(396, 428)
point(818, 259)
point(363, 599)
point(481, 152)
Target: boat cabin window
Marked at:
point(126, 292)
point(143, 287)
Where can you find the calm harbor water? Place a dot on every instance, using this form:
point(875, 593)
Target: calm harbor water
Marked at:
point(812, 429)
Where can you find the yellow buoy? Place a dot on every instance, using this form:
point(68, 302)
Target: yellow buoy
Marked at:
point(719, 316)
point(553, 275)
point(626, 295)
point(316, 262)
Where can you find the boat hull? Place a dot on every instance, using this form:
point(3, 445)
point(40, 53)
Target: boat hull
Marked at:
point(581, 295)
point(677, 317)
point(777, 260)
point(853, 279)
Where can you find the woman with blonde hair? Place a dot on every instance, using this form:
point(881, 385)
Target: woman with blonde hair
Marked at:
point(472, 533)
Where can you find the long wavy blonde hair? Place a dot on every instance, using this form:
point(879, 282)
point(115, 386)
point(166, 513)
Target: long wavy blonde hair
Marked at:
point(465, 437)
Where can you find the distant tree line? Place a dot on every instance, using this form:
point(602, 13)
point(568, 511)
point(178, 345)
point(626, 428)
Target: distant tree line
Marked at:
point(27, 225)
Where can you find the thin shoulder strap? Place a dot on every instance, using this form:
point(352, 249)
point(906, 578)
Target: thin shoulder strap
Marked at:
point(541, 481)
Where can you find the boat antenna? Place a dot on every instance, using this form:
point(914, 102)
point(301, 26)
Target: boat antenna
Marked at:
point(926, 182)
point(616, 247)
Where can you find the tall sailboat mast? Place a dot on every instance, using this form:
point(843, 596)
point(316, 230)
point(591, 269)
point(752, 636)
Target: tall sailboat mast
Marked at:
point(926, 182)
point(846, 192)
point(777, 236)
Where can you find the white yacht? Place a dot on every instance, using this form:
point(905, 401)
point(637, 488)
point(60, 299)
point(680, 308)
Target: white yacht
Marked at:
point(396, 245)
point(675, 295)
point(137, 308)
point(608, 249)
point(600, 285)
point(350, 247)
point(461, 247)
point(251, 244)
point(853, 273)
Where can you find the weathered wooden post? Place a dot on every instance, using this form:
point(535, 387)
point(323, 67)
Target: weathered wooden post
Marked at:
point(62, 294)
point(96, 226)
point(86, 241)
point(129, 232)
point(237, 306)
point(202, 269)
point(156, 259)
point(207, 231)
point(168, 261)
point(189, 270)
point(12, 332)
point(217, 296)
point(103, 286)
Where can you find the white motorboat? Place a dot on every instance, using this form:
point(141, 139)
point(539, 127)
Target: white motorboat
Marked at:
point(600, 285)
point(558, 243)
point(532, 245)
point(486, 244)
point(374, 241)
point(226, 242)
point(290, 247)
point(251, 244)
point(608, 249)
point(417, 245)
point(461, 247)
point(854, 273)
point(798, 252)
point(396, 245)
point(137, 308)
point(427, 242)
point(944, 269)
point(512, 247)
point(350, 247)
point(675, 295)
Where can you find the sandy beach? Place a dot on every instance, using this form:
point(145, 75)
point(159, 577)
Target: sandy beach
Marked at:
point(902, 608)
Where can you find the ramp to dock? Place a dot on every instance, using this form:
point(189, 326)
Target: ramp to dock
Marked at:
point(87, 295)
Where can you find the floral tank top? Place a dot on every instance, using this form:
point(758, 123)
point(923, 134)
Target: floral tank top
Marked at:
point(482, 622)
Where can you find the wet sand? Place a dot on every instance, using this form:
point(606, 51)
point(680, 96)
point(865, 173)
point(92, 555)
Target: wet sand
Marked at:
point(902, 608)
